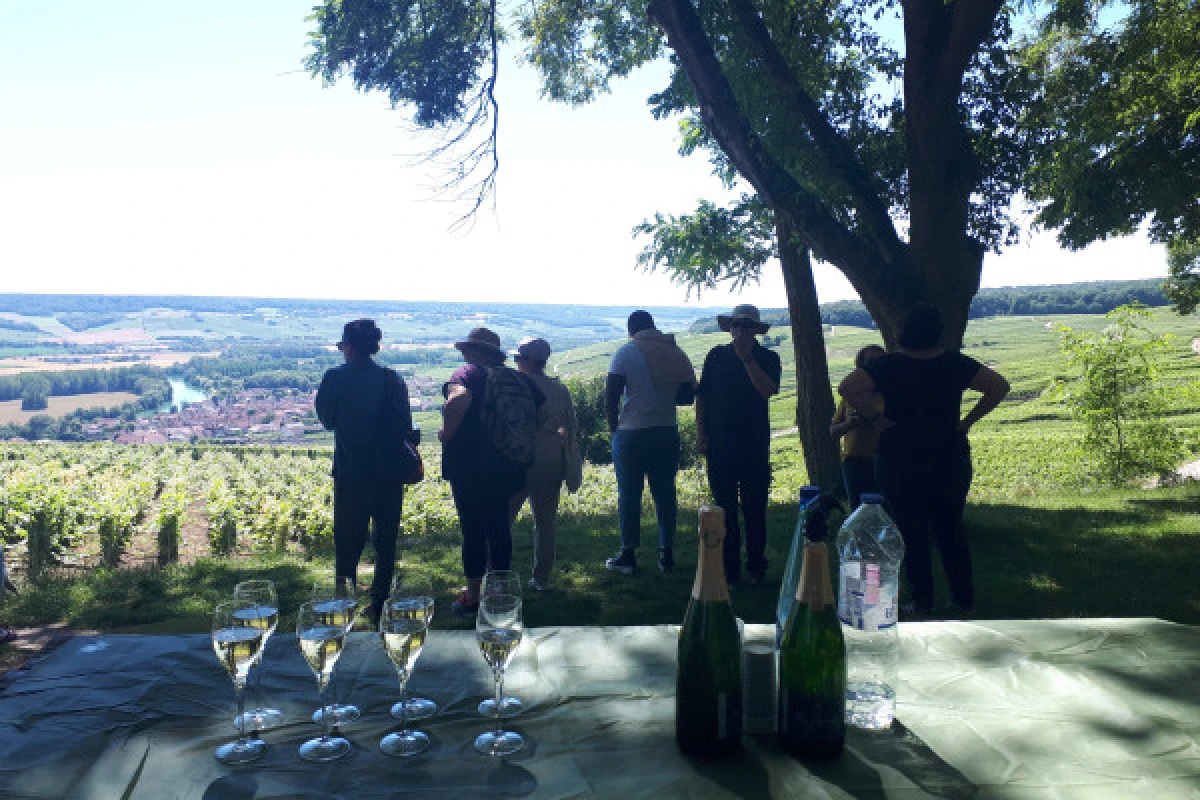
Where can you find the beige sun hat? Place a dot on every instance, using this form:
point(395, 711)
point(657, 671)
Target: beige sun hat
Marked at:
point(744, 311)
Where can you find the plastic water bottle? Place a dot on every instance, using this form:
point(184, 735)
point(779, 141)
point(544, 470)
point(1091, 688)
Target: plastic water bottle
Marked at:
point(791, 572)
point(870, 551)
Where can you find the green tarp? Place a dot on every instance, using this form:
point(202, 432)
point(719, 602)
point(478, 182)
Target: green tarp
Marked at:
point(1084, 709)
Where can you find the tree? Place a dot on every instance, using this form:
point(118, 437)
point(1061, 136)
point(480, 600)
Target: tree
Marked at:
point(35, 393)
point(1116, 129)
point(785, 89)
point(1119, 397)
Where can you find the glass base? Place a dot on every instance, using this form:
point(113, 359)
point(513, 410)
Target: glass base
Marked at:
point(325, 748)
point(404, 743)
point(418, 708)
point(342, 713)
point(499, 744)
point(242, 751)
point(260, 719)
point(509, 707)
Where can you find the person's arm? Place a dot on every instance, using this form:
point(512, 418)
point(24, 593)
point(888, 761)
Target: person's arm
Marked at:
point(763, 383)
point(857, 388)
point(994, 388)
point(454, 411)
point(843, 422)
point(701, 432)
point(326, 403)
point(404, 411)
point(614, 387)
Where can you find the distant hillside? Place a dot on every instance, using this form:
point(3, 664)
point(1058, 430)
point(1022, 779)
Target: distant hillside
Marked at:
point(1097, 297)
point(198, 321)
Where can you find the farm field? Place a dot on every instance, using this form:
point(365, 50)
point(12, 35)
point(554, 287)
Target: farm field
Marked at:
point(1048, 540)
point(10, 410)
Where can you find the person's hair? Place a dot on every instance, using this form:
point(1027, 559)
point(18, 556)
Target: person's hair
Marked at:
point(921, 329)
point(868, 353)
point(364, 335)
point(640, 321)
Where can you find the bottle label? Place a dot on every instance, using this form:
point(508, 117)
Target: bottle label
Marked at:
point(729, 715)
point(811, 717)
point(864, 603)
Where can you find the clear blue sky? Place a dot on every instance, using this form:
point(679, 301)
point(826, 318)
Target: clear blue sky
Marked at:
point(172, 146)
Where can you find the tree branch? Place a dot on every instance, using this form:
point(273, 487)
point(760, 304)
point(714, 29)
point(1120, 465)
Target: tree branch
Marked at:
point(830, 240)
point(837, 151)
point(971, 22)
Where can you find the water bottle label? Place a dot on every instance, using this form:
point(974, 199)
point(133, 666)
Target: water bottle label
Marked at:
point(863, 603)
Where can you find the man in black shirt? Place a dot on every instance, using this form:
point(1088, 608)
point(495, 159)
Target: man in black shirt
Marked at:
point(733, 430)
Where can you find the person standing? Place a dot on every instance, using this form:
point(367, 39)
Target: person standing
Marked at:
point(361, 402)
point(923, 459)
point(647, 377)
point(556, 458)
point(858, 439)
point(481, 479)
point(733, 431)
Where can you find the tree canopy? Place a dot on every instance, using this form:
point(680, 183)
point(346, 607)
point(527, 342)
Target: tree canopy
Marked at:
point(1115, 129)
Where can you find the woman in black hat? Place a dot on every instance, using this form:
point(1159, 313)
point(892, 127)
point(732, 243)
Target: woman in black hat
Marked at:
point(362, 403)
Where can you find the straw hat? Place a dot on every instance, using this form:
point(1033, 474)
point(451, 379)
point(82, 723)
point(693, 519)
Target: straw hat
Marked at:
point(744, 311)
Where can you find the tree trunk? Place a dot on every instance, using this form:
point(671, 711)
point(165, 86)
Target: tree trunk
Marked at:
point(814, 398)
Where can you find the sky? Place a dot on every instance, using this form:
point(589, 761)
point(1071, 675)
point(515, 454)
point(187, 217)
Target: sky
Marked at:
point(151, 147)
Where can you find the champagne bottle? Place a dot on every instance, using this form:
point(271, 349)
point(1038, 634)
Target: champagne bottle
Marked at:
point(708, 681)
point(812, 658)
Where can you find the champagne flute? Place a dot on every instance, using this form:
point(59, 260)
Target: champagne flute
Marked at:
point(498, 628)
point(501, 582)
point(236, 644)
point(338, 603)
point(264, 614)
point(415, 585)
point(403, 626)
point(321, 641)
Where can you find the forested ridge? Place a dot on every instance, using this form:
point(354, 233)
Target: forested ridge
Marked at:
point(1098, 297)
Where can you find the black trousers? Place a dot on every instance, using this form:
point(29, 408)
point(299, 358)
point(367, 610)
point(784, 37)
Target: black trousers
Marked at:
point(357, 507)
point(858, 473)
point(926, 495)
point(482, 504)
point(744, 477)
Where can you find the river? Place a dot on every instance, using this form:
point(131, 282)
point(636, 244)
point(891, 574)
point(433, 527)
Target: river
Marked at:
point(181, 393)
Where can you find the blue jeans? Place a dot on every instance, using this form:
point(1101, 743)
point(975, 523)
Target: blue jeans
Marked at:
point(639, 456)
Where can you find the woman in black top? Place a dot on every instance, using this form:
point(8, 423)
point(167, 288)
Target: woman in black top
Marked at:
point(363, 403)
point(923, 459)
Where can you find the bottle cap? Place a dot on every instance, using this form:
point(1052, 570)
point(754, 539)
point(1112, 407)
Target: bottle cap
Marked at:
point(871, 497)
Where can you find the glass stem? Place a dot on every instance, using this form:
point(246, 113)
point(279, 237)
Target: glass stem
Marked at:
point(499, 696)
point(403, 703)
point(239, 689)
point(326, 711)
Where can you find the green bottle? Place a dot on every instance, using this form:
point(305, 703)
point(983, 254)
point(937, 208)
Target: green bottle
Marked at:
point(708, 680)
point(812, 658)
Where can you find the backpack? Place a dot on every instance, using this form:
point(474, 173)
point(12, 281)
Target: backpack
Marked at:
point(508, 415)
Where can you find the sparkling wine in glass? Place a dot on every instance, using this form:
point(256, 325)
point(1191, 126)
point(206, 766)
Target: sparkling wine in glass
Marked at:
point(321, 642)
point(501, 582)
point(412, 584)
point(404, 626)
point(237, 644)
point(498, 628)
point(263, 613)
point(338, 604)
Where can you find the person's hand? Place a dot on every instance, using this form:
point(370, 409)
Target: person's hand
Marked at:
point(743, 346)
